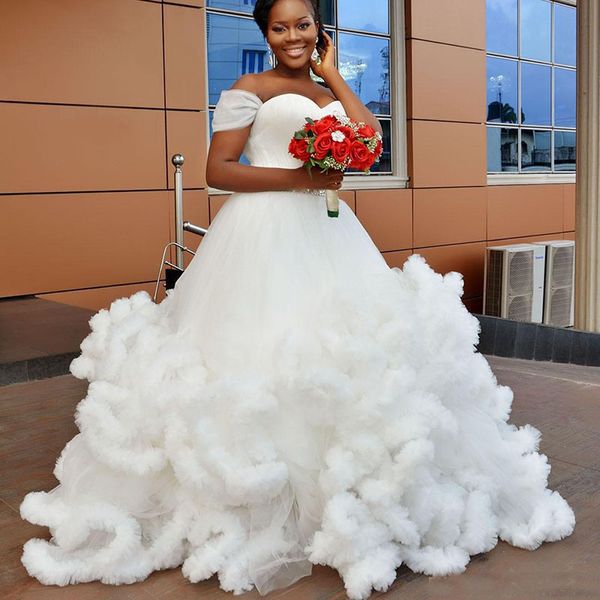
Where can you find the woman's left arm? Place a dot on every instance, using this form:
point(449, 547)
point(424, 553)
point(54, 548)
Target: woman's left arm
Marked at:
point(327, 70)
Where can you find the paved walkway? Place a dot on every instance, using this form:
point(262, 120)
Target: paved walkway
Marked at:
point(563, 401)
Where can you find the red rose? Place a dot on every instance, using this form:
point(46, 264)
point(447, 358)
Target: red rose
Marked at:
point(378, 148)
point(341, 150)
point(347, 131)
point(327, 123)
point(322, 145)
point(366, 131)
point(299, 149)
point(361, 157)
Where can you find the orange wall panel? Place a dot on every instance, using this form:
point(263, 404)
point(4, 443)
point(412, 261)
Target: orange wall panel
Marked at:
point(215, 203)
point(449, 216)
point(569, 207)
point(97, 298)
point(467, 259)
point(396, 259)
point(459, 22)
point(349, 197)
point(81, 52)
point(387, 217)
point(520, 210)
point(184, 57)
point(446, 82)
point(72, 148)
point(447, 154)
point(69, 241)
point(186, 131)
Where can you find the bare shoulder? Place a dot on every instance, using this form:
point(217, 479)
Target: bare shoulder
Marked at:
point(248, 82)
point(324, 90)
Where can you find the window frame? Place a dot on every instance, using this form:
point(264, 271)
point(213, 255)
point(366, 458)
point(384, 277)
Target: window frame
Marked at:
point(512, 178)
point(399, 178)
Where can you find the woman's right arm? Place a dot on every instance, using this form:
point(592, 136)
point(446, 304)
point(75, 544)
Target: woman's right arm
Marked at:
point(225, 172)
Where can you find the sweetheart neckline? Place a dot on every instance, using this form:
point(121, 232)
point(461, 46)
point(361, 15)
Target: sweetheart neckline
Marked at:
point(301, 96)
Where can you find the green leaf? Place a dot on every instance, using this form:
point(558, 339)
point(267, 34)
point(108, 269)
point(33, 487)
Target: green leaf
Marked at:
point(310, 120)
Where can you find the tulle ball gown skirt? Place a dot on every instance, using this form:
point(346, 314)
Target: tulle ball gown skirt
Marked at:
point(293, 401)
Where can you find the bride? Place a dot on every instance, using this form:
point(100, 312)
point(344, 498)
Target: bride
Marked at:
point(293, 401)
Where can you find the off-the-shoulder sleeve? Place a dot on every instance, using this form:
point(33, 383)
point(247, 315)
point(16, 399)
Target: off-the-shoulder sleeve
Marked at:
point(235, 109)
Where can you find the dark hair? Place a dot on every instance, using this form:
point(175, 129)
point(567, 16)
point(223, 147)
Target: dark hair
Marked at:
point(263, 8)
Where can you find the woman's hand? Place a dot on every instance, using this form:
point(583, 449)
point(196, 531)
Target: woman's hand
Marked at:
point(327, 64)
point(329, 180)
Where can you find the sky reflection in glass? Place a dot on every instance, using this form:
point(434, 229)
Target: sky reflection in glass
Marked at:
point(535, 94)
point(536, 19)
point(501, 21)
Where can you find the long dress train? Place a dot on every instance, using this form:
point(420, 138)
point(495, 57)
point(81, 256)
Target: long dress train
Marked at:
point(293, 401)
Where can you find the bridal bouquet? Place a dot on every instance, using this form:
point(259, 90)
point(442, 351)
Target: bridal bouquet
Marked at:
point(336, 142)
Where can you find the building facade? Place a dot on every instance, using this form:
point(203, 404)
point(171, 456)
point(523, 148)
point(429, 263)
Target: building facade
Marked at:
point(476, 99)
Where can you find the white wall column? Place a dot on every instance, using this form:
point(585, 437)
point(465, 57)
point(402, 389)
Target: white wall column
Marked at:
point(587, 223)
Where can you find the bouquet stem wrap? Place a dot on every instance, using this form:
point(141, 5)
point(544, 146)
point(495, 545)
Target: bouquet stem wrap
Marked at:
point(333, 203)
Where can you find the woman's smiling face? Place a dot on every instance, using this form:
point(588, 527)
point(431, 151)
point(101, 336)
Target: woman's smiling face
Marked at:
point(292, 32)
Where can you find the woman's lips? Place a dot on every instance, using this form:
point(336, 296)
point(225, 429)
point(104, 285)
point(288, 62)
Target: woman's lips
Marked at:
point(295, 52)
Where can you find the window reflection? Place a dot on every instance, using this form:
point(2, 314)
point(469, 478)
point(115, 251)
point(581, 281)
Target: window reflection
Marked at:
point(501, 20)
point(501, 90)
point(536, 150)
point(367, 16)
point(536, 19)
point(234, 45)
point(564, 150)
point(565, 34)
point(237, 5)
point(327, 12)
point(565, 97)
point(502, 150)
point(364, 62)
point(535, 94)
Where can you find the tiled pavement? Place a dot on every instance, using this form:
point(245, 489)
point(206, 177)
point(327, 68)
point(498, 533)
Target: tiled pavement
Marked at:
point(563, 401)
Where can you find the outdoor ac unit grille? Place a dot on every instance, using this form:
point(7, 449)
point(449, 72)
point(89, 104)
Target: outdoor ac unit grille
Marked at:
point(493, 293)
point(562, 266)
point(520, 280)
point(519, 308)
point(560, 307)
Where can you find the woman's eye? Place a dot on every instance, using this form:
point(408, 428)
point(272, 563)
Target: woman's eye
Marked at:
point(304, 25)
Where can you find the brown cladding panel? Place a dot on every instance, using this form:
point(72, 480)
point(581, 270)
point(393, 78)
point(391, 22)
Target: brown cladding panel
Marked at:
point(81, 240)
point(81, 52)
point(387, 217)
point(521, 210)
point(184, 57)
point(97, 298)
point(70, 148)
point(449, 216)
point(569, 207)
point(446, 83)
point(467, 259)
point(396, 259)
point(186, 132)
point(459, 22)
point(447, 154)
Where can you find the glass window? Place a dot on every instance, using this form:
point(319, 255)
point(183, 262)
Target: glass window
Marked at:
point(366, 16)
point(536, 94)
point(502, 150)
point(536, 153)
point(229, 41)
point(536, 20)
point(531, 85)
point(361, 34)
point(564, 150)
point(565, 97)
point(565, 34)
point(364, 63)
point(502, 26)
point(502, 90)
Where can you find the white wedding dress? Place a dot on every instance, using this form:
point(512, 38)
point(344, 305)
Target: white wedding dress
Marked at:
point(293, 401)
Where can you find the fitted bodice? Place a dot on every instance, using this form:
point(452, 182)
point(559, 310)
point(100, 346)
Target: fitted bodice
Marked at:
point(275, 122)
